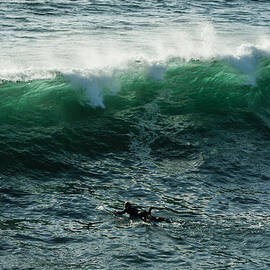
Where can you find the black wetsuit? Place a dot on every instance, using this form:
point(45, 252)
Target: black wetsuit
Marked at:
point(146, 216)
point(128, 209)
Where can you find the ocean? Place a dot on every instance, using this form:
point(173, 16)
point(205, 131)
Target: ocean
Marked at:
point(159, 103)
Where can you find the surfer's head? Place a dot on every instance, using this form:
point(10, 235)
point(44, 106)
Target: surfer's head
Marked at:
point(127, 205)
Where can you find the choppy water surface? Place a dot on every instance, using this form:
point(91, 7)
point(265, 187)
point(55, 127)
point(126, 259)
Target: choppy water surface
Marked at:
point(162, 103)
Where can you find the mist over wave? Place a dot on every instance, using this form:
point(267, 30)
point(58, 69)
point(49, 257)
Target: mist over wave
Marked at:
point(201, 41)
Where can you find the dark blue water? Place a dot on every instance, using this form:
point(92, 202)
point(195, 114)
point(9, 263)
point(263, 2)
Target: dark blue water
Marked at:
point(160, 103)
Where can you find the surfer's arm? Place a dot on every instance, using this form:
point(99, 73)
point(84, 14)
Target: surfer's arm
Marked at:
point(118, 213)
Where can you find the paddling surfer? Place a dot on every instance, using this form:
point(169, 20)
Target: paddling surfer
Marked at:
point(145, 216)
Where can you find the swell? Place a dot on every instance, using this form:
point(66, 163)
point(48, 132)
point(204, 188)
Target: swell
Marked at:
point(45, 123)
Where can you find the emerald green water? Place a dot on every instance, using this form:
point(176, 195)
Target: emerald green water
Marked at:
point(162, 104)
point(55, 115)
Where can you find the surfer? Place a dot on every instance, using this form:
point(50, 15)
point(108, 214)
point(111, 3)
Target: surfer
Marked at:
point(145, 216)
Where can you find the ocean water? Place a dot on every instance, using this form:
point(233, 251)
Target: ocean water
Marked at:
point(160, 103)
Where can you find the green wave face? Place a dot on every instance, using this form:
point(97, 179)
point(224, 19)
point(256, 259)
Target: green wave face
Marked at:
point(212, 88)
point(185, 87)
point(61, 115)
point(37, 103)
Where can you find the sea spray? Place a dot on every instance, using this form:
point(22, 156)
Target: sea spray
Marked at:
point(155, 71)
point(247, 59)
point(93, 86)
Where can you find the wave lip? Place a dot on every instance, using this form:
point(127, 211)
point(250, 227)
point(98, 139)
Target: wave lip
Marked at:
point(247, 60)
point(93, 85)
point(224, 84)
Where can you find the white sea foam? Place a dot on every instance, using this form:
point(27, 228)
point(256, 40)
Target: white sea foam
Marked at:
point(94, 60)
point(194, 41)
point(93, 85)
point(246, 59)
point(155, 71)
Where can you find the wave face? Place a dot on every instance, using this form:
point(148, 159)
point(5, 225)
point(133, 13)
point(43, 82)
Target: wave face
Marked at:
point(107, 111)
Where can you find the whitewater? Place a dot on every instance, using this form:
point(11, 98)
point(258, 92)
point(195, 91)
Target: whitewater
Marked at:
point(160, 103)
